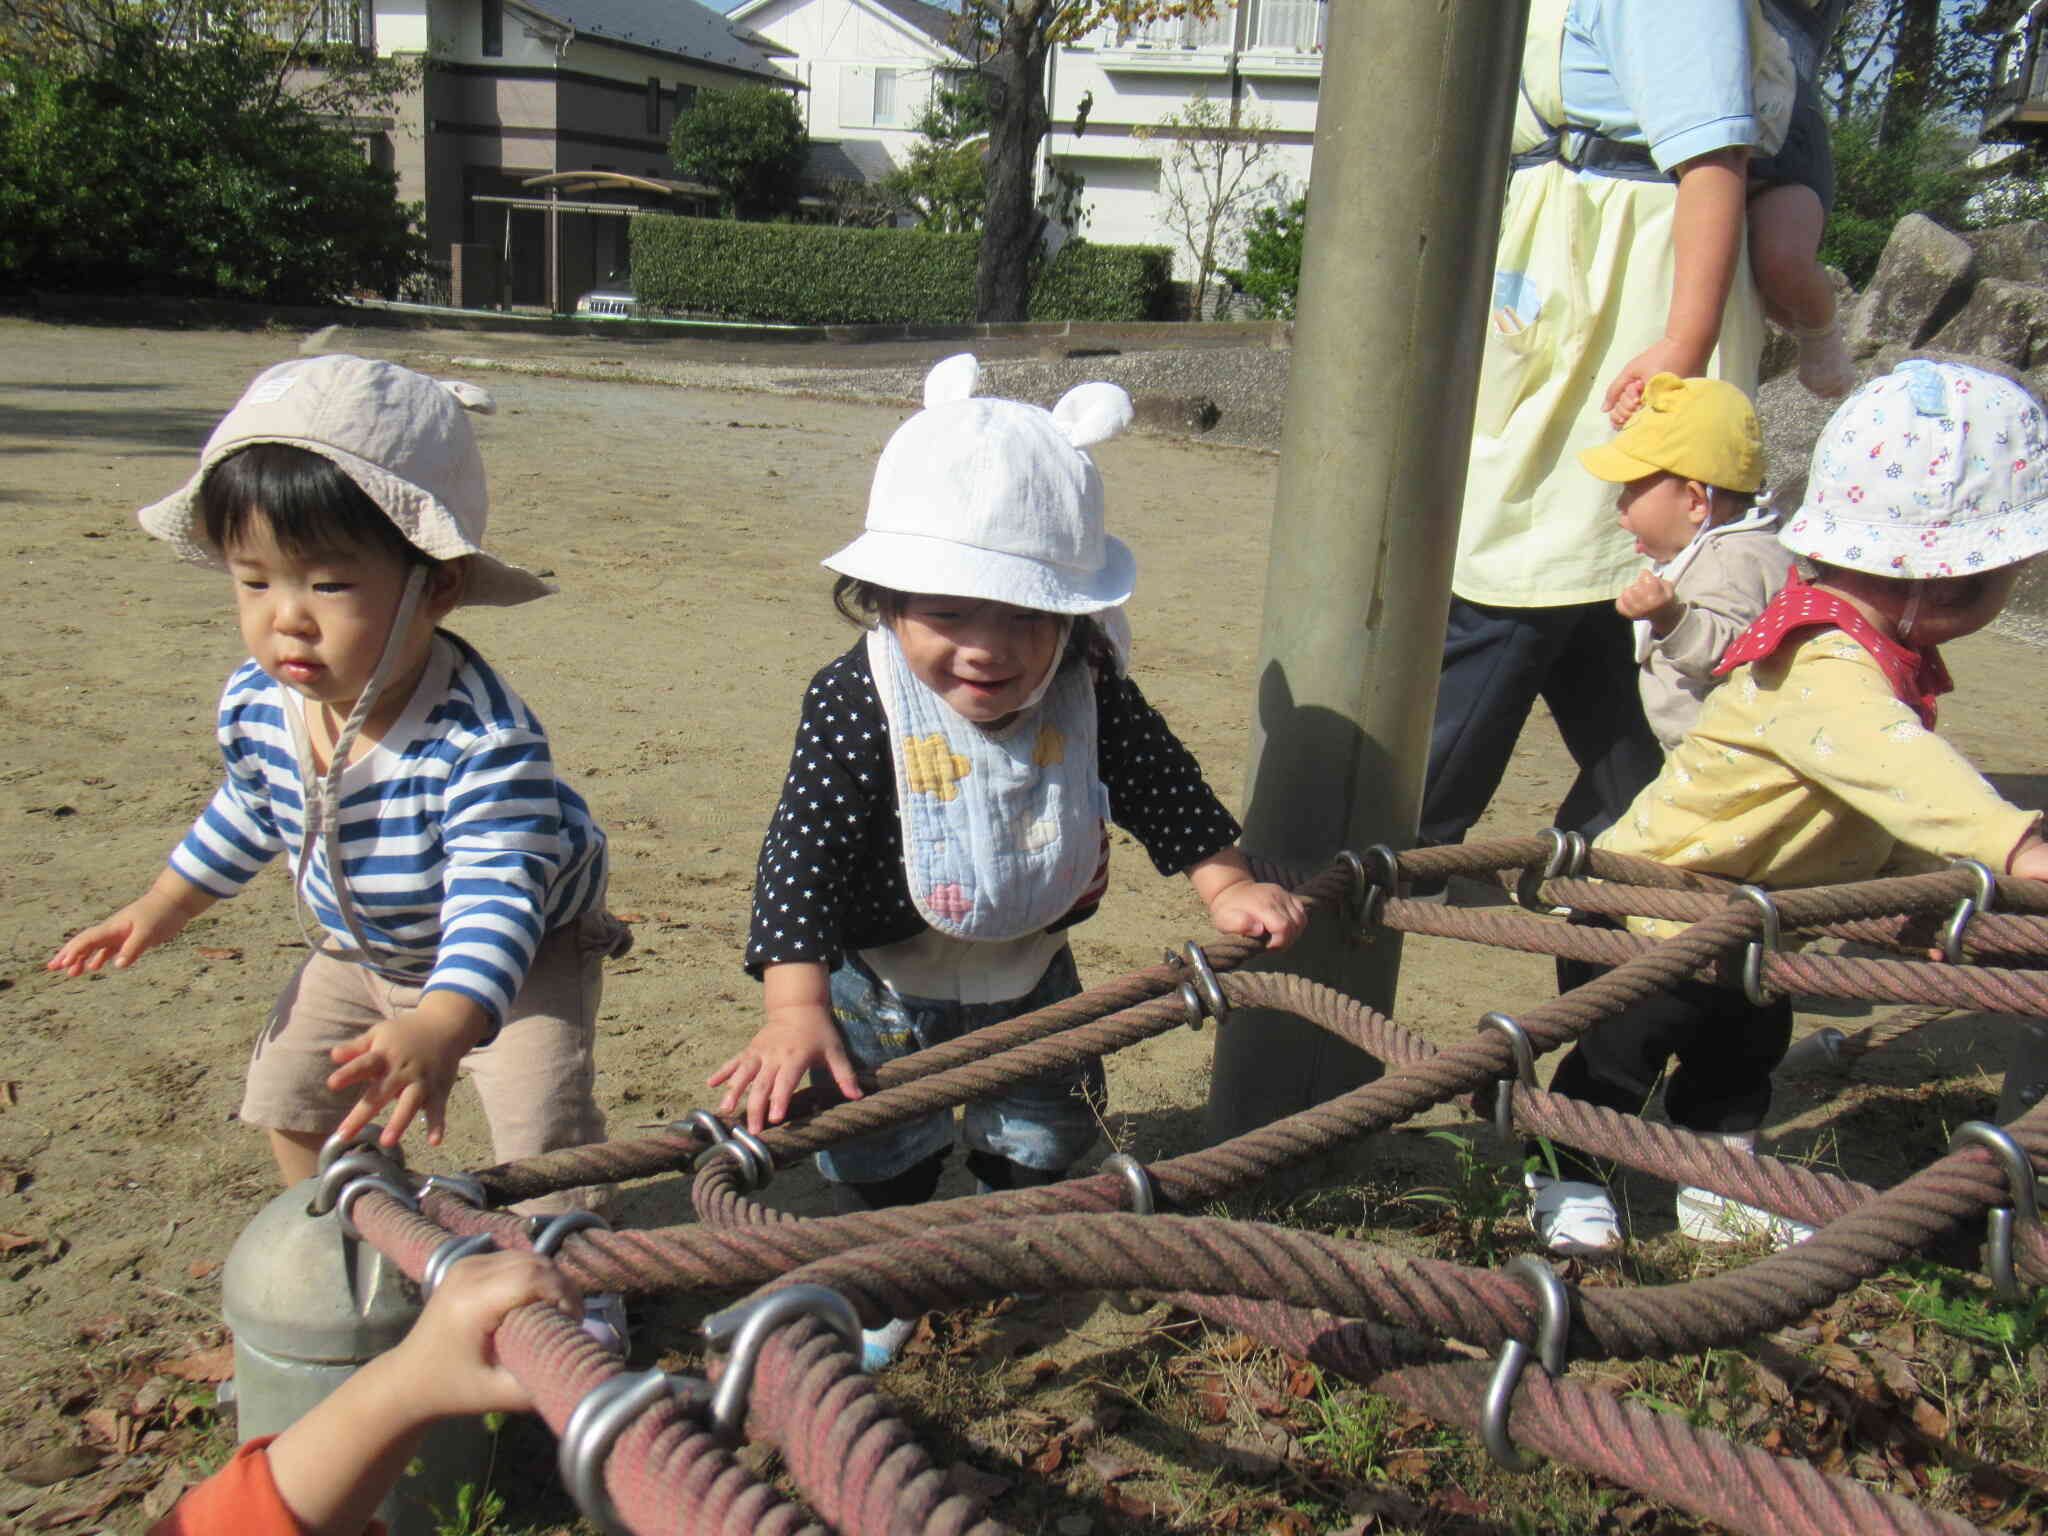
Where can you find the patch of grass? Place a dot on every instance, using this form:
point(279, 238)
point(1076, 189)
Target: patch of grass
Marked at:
point(1480, 1195)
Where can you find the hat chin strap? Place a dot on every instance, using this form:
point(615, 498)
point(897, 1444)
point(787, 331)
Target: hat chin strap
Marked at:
point(323, 805)
point(1052, 670)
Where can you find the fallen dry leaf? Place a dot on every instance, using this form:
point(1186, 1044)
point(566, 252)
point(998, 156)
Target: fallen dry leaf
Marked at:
point(1301, 1382)
point(1108, 1468)
point(55, 1465)
point(15, 1242)
point(215, 953)
point(631, 917)
point(1236, 1347)
point(199, 1269)
point(217, 1364)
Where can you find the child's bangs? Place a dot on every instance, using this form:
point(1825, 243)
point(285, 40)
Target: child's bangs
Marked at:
point(309, 504)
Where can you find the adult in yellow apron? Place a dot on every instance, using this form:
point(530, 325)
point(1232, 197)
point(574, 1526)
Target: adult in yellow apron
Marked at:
point(1587, 277)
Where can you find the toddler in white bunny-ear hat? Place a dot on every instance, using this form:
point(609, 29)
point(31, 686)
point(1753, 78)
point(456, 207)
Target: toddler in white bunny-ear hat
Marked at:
point(945, 817)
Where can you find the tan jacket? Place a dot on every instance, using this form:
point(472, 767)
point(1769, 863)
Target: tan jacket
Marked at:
point(1724, 587)
point(1806, 769)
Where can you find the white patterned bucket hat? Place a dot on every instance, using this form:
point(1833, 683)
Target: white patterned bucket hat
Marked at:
point(402, 437)
point(1931, 470)
point(996, 499)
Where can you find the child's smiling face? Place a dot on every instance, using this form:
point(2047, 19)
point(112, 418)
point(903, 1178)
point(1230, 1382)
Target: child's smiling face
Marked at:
point(317, 623)
point(1663, 511)
point(982, 658)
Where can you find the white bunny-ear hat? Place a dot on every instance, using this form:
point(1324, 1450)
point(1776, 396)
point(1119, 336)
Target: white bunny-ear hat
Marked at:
point(996, 499)
point(402, 437)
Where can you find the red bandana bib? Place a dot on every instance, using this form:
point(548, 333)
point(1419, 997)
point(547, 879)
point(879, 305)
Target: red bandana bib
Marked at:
point(1917, 676)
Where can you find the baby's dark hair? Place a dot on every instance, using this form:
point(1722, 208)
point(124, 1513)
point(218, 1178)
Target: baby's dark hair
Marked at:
point(867, 603)
point(312, 506)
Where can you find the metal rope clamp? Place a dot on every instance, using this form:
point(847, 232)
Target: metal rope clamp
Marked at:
point(745, 1327)
point(1525, 1074)
point(1983, 900)
point(2019, 1174)
point(363, 1184)
point(462, 1186)
point(365, 1140)
point(1551, 1333)
point(1201, 994)
point(749, 1154)
point(450, 1253)
point(598, 1421)
point(1375, 877)
point(1753, 954)
point(550, 1232)
point(349, 1164)
point(1144, 1202)
point(1567, 857)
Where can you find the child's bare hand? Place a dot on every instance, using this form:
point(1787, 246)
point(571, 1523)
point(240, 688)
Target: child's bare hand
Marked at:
point(1645, 597)
point(775, 1062)
point(155, 917)
point(1255, 908)
point(408, 1062)
point(449, 1353)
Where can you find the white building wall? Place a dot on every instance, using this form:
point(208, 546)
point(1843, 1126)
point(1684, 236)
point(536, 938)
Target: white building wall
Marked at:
point(870, 76)
point(1141, 81)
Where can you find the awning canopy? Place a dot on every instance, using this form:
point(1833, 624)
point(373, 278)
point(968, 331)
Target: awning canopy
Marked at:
point(574, 183)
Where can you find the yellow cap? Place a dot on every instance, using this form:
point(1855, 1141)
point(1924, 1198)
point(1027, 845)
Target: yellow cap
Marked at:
point(1701, 429)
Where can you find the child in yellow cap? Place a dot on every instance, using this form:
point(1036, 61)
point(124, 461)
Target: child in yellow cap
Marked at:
point(1689, 463)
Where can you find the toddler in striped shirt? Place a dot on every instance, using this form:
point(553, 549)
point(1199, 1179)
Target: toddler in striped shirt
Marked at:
point(457, 883)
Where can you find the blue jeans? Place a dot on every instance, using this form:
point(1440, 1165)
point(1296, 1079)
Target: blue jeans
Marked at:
point(1044, 1124)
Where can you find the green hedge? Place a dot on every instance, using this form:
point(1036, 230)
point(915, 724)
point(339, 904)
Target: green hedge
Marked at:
point(816, 274)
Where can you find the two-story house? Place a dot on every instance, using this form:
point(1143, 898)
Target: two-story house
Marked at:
point(869, 68)
point(514, 90)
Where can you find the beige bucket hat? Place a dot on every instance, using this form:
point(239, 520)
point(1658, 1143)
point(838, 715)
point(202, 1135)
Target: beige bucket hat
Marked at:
point(402, 437)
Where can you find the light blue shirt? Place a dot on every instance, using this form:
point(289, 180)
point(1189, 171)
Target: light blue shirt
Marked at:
point(1669, 74)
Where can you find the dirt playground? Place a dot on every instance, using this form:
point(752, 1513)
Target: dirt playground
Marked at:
point(684, 527)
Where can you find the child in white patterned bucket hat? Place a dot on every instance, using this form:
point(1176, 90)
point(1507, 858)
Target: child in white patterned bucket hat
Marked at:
point(456, 881)
point(944, 819)
point(1816, 761)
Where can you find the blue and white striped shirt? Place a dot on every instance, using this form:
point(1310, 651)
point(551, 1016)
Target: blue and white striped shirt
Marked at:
point(460, 846)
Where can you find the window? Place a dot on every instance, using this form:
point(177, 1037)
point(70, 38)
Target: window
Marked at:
point(493, 17)
point(686, 98)
point(1182, 31)
point(654, 104)
point(875, 96)
point(1298, 26)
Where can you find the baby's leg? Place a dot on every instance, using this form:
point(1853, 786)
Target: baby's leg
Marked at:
point(1785, 223)
point(327, 1003)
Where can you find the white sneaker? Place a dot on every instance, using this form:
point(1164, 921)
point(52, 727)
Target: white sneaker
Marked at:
point(880, 1346)
point(1706, 1217)
point(1572, 1218)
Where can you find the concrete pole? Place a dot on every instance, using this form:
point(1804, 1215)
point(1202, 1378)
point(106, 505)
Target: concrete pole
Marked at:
point(1404, 205)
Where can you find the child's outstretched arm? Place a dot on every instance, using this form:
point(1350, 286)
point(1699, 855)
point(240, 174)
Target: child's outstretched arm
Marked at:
point(334, 1466)
point(797, 1035)
point(155, 917)
point(1238, 903)
point(409, 1062)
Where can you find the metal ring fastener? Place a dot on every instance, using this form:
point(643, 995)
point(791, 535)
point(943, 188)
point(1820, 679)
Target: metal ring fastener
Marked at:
point(357, 1163)
point(357, 1187)
point(705, 1124)
point(745, 1327)
point(1525, 1072)
point(1144, 1202)
point(1207, 985)
point(757, 1149)
point(462, 1186)
point(1982, 900)
point(451, 1252)
point(751, 1161)
point(1378, 877)
point(1567, 856)
point(596, 1424)
point(1753, 954)
point(1360, 889)
point(550, 1232)
point(365, 1139)
point(2019, 1176)
point(1190, 998)
point(1551, 1333)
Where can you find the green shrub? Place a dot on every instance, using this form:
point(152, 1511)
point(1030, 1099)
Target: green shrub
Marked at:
point(1102, 283)
point(1876, 186)
point(180, 170)
point(810, 274)
point(1272, 257)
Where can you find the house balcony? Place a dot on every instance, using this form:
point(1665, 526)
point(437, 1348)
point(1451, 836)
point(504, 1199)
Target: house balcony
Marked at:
point(1258, 37)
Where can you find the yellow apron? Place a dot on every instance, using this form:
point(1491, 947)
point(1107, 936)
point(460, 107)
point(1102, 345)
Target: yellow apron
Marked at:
point(1582, 284)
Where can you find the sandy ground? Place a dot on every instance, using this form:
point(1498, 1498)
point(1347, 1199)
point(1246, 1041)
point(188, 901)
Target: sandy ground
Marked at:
point(684, 526)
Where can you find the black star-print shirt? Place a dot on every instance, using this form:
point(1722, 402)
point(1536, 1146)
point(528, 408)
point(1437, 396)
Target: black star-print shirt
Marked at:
point(831, 872)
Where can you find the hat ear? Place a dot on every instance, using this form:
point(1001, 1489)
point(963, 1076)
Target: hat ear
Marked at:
point(953, 379)
point(471, 397)
point(1092, 413)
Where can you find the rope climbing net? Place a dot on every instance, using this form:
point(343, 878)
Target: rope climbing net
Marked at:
point(648, 1453)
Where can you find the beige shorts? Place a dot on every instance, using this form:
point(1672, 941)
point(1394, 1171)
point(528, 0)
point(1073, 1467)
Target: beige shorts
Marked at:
point(537, 1079)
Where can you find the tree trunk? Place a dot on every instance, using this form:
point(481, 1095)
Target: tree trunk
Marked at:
point(1915, 58)
point(1018, 122)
